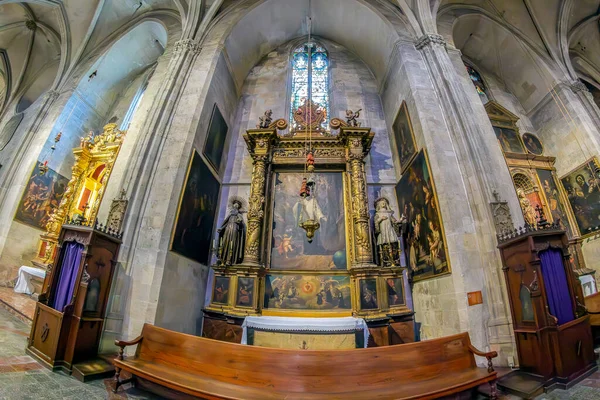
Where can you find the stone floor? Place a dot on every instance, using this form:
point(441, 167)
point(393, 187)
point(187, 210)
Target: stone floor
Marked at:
point(20, 305)
point(21, 377)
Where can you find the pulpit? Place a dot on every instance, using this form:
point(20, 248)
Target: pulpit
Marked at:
point(70, 313)
point(551, 326)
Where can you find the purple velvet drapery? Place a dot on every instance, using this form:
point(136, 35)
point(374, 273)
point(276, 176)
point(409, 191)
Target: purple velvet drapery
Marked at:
point(557, 286)
point(68, 274)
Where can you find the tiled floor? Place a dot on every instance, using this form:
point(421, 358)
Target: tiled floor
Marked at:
point(22, 305)
point(21, 377)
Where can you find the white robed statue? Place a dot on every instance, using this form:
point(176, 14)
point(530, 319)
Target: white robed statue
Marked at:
point(386, 231)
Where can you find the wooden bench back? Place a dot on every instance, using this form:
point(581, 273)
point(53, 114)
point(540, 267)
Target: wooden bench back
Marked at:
point(327, 370)
point(592, 303)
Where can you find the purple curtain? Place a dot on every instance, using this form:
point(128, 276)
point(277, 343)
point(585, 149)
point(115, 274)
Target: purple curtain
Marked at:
point(68, 274)
point(556, 284)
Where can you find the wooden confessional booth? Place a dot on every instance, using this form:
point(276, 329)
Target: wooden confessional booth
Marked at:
point(70, 313)
point(552, 329)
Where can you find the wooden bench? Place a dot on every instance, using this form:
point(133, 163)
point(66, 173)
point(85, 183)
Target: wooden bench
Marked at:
point(592, 304)
point(210, 369)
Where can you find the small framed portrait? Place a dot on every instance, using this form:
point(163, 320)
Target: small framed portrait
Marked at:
point(245, 292)
point(221, 290)
point(405, 137)
point(533, 144)
point(395, 292)
point(368, 294)
point(509, 140)
point(215, 138)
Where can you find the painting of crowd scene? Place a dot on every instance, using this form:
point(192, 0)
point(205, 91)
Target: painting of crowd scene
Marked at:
point(290, 249)
point(583, 191)
point(307, 292)
point(425, 244)
point(558, 210)
point(42, 196)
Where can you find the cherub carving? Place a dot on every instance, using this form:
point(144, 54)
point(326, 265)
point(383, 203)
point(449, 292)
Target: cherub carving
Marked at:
point(265, 120)
point(352, 116)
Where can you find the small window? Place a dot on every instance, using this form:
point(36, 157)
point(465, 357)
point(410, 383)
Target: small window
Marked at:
point(478, 83)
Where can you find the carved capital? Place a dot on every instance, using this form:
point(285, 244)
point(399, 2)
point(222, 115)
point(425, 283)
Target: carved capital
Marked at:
point(430, 39)
point(578, 86)
point(52, 95)
point(187, 45)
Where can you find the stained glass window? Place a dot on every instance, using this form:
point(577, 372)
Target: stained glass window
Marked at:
point(478, 83)
point(315, 78)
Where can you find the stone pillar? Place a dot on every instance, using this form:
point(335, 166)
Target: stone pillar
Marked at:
point(471, 153)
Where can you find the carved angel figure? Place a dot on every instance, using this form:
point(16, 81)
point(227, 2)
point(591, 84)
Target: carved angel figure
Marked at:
point(352, 117)
point(232, 235)
point(265, 120)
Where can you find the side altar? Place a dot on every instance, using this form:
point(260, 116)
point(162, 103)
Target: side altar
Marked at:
point(310, 245)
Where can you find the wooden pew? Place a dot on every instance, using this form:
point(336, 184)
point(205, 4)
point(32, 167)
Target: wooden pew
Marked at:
point(176, 365)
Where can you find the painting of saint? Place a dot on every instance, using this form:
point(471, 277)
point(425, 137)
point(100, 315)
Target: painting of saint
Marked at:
point(215, 138)
point(583, 191)
point(290, 248)
point(221, 290)
point(245, 292)
point(424, 239)
point(42, 196)
point(197, 210)
point(308, 292)
point(509, 140)
point(558, 210)
point(368, 294)
point(533, 144)
point(395, 292)
point(405, 139)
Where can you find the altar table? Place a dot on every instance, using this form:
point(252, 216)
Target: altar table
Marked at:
point(23, 284)
point(305, 333)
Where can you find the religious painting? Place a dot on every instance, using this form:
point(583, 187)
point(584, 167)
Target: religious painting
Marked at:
point(533, 144)
point(215, 138)
point(42, 196)
point(197, 210)
point(558, 210)
point(395, 291)
point(245, 292)
point(308, 292)
point(290, 248)
point(368, 294)
point(221, 290)
point(509, 140)
point(583, 191)
point(405, 138)
point(424, 239)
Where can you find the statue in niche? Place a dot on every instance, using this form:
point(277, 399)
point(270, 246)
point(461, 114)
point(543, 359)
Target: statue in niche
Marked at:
point(352, 118)
point(387, 232)
point(265, 120)
point(528, 210)
point(232, 234)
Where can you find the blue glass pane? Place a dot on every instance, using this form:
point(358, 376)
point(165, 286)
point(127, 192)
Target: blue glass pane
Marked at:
point(478, 83)
point(319, 80)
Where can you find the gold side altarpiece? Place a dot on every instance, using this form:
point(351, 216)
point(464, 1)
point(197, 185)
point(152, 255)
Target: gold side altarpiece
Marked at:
point(94, 161)
point(343, 152)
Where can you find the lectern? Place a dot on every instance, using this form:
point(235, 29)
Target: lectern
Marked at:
point(69, 315)
point(552, 328)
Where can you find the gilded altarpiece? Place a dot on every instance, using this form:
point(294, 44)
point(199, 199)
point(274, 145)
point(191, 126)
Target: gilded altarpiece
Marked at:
point(282, 273)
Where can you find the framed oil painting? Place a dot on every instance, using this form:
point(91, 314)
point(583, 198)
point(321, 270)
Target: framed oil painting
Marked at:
point(368, 294)
point(308, 292)
point(509, 140)
point(290, 249)
point(197, 210)
point(245, 292)
point(533, 144)
point(221, 290)
point(583, 191)
point(41, 197)
point(424, 240)
point(215, 138)
point(558, 209)
point(395, 292)
point(405, 138)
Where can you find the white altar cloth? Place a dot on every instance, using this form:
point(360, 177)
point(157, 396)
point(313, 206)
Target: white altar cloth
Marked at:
point(297, 324)
point(23, 284)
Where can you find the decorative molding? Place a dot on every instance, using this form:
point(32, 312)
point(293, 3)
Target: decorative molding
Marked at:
point(429, 39)
point(578, 86)
point(187, 45)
